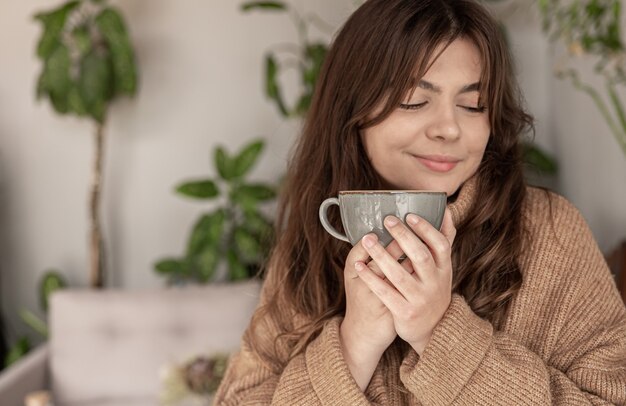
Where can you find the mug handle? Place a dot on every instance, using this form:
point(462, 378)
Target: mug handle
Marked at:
point(324, 219)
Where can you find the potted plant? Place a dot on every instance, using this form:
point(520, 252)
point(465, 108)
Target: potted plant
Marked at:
point(235, 233)
point(88, 62)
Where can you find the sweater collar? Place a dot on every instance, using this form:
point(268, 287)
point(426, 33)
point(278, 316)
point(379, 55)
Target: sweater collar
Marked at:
point(465, 197)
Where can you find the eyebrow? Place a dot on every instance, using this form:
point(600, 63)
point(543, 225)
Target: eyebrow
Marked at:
point(473, 87)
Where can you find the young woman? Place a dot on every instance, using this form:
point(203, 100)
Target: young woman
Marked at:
point(510, 303)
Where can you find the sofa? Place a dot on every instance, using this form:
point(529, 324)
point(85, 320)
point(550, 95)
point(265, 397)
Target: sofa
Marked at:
point(108, 347)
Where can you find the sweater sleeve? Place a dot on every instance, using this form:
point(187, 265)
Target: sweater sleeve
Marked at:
point(319, 376)
point(468, 362)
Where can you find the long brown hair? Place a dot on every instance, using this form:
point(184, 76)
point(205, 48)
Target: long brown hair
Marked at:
point(382, 48)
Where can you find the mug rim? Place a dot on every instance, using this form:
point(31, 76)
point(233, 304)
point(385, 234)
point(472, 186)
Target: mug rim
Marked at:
point(388, 192)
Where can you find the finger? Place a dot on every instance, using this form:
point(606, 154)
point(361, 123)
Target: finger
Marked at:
point(408, 266)
point(376, 269)
point(437, 243)
point(416, 250)
point(387, 294)
point(395, 251)
point(447, 226)
point(357, 253)
point(396, 274)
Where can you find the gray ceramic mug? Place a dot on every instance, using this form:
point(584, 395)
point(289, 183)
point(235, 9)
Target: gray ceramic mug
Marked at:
point(363, 211)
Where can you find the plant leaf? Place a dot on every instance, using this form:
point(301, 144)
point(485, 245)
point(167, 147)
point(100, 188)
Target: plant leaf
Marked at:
point(304, 103)
point(246, 159)
point(224, 164)
point(257, 224)
point(236, 270)
point(261, 228)
point(53, 23)
point(247, 245)
point(272, 89)
point(95, 84)
point(539, 160)
point(257, 192)
point(112, 27)
point(314, 59)
point(34, 322)
point(82, 39)
point(263, 5)
point(201, 189)
point(208, 230)
point(75, 101)
point(16, 352)
point(55, 79)
point(207, 262)
point(50, 282)
point(170, 267)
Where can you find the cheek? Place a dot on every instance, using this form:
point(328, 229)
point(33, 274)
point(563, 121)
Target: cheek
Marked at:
point(367, 141)
point(379, 141)
point(481, 133)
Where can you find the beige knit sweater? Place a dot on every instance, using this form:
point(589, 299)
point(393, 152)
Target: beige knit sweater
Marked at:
point(563, 342)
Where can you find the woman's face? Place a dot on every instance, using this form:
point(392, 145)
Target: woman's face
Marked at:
point(436, 139)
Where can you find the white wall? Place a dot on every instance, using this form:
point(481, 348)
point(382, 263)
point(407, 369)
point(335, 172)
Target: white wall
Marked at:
point(201, 84)
point(593, 166)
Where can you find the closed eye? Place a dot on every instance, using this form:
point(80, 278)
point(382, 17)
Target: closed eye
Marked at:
point(415, 106)
point(480, 109)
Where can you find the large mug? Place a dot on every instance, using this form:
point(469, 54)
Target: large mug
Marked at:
point(363, 211)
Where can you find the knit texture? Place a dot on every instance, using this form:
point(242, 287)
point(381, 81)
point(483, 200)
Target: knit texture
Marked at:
point(563, 341)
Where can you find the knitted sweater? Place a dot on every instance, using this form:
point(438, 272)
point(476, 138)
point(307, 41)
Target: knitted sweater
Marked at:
point(563, 341)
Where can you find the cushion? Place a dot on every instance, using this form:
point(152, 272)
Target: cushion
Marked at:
point(113, 344)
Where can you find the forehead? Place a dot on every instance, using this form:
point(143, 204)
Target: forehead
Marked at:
point(454, 66)
point(460, 60)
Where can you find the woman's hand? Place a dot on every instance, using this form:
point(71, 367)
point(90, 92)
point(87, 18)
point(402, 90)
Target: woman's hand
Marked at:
point(368, 327)
point(417, 300)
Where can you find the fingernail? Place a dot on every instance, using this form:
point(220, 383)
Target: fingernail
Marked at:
point(359, 266)
point(391, 221)
point(369, 240)
point(412, 219)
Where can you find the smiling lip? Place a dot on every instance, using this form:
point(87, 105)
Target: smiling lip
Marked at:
point(438, 163)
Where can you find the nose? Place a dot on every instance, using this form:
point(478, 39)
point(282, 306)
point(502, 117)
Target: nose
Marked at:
point(444, 126)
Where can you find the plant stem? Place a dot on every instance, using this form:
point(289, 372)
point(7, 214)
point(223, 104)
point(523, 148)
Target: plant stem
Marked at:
point(619, 110)
point(598, 100)
point(300, 26)
point(320, 23)
point(288, 47)
point(34, 322)
point(97, 245)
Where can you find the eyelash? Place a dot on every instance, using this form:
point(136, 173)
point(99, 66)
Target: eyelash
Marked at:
point(420, 105)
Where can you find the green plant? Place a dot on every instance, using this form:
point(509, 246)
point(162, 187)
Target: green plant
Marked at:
point(236, 231)
point(88, 61)
point(3, 343)
point(308, 57)
point(21, 348)
point(591, 29)
point(50, 282)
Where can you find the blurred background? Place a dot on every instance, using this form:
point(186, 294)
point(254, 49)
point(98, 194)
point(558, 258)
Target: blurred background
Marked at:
point(202, 80)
